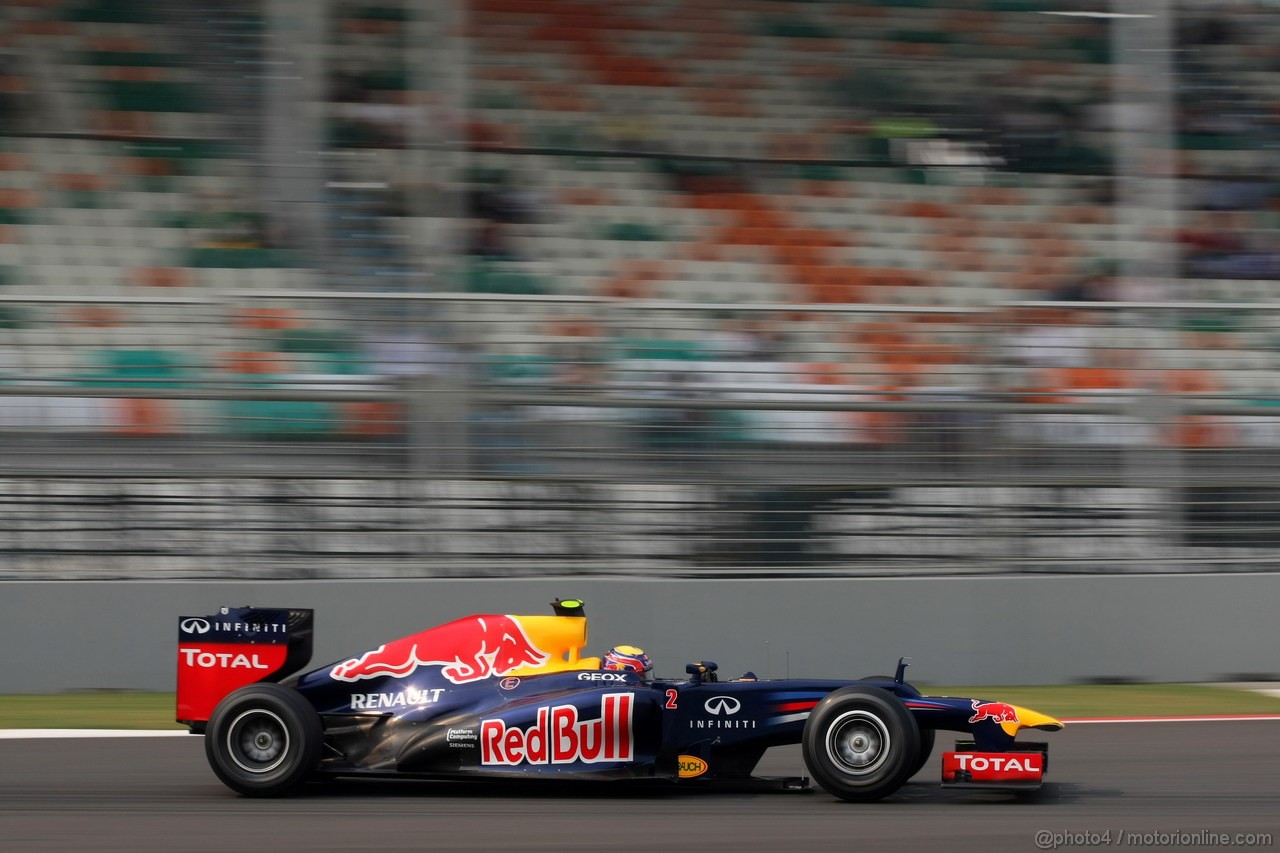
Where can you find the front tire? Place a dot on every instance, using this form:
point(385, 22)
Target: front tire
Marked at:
point(927, 736)
point(861, 743)
point(264, 740)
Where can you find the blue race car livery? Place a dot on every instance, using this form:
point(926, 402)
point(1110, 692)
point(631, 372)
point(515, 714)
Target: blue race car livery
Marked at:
point(502, 696)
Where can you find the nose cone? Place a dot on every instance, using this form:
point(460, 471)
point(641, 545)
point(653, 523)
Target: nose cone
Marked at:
point(1029, 719)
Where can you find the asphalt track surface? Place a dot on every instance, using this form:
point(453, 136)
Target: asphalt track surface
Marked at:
point(159, 794)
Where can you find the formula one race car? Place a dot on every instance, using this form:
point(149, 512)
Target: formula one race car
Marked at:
point(512, 697)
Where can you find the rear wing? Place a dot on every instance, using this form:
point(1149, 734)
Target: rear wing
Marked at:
point(236, 646)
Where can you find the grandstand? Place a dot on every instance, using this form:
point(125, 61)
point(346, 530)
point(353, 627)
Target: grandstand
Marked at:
point(857, 207)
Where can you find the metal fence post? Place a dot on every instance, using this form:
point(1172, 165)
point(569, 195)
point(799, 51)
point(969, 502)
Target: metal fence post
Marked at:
point(438, 428)
point(1156, 468)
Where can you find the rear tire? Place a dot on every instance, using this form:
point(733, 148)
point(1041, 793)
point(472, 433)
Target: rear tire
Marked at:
point(861, 744)
point(264, 740)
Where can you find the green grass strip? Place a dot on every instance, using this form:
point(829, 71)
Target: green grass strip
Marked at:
point(88, 710)
point(1123, 700)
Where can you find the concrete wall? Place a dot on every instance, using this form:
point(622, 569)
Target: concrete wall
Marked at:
point(990, 630)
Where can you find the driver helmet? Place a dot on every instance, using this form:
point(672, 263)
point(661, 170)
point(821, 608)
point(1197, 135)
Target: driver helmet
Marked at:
point(628, 659)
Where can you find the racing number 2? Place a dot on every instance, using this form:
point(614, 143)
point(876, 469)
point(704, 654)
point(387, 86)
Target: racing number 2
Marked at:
point(671, 699)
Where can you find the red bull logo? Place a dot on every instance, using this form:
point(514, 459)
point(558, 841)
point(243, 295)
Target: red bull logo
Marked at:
point(997, 711)
point(560, 737)
point(467, 650)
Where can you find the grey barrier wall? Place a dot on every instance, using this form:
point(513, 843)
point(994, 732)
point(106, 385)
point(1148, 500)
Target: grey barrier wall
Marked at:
point(61, 636)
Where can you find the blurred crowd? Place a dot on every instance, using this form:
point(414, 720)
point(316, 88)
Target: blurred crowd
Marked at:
point(780, 172)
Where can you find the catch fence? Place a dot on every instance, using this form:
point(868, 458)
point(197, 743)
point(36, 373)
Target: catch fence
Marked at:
point(318, 434)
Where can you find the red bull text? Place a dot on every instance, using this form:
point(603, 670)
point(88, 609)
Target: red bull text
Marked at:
point(997, 711)
point(467, 650)
point(560, 737)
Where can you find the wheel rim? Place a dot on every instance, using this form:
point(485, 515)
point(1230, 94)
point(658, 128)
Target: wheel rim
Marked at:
point(258, 741)
point(858, 743)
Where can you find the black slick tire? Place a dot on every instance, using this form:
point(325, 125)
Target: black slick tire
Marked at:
point(264, 740)
point(927, 736)
point(861, 744)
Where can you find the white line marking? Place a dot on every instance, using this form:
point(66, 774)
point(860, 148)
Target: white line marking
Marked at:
point(19, 734)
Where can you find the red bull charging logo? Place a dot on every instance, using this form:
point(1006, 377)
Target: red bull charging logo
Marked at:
point(468, 650)
point(997, 711)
